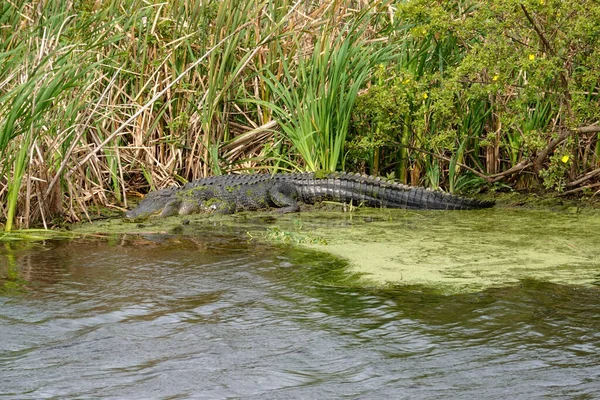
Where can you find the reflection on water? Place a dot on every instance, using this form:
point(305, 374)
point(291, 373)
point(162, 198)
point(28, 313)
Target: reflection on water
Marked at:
point(215, 316)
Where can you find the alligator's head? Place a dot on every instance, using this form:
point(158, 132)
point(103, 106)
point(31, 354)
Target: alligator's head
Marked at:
point(164, 202)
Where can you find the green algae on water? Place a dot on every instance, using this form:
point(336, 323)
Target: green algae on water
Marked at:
point(448, 252)
point(470, 251)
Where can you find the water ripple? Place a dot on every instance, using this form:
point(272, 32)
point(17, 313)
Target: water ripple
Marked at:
point(156, 319)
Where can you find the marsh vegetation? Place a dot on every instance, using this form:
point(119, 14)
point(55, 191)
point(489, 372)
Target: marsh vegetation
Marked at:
point(101, 100)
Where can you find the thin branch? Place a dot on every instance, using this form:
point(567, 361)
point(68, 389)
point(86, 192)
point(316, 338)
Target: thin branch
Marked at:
point(513, 170)
point(579, 189)
point(547, 45)
point(588, 129)
point(541, 157)
point(441, 157)
point(584, 178)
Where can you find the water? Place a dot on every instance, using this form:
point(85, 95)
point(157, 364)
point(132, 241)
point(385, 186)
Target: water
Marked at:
point(218, 316)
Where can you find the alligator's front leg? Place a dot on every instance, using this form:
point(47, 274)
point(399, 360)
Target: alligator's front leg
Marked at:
point(219, 206)
point(191, 205)
point(171, 208)
point(284, 195)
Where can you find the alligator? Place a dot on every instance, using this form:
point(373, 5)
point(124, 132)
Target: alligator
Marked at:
point(227, 194)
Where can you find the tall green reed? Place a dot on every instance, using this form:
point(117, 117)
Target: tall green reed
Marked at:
point(250, 26)
point(39, 72)
point(471, 127)
point(314, 91)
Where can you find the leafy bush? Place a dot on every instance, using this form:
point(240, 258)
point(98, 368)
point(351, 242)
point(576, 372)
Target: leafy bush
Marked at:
point(498, 86)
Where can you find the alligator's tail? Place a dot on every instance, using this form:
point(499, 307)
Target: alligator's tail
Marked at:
point(378, 192)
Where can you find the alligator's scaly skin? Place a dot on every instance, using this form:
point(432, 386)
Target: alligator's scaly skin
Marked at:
point(231, 193)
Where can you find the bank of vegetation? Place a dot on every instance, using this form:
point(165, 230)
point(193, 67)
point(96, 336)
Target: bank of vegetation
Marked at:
point(100, 100)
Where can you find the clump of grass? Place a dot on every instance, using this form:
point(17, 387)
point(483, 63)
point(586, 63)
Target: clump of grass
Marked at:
point(314, 90)
point(44, 79)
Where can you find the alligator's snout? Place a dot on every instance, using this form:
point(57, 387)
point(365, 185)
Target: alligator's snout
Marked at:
point(136, 214)
point(130, 214)
point(153, 203)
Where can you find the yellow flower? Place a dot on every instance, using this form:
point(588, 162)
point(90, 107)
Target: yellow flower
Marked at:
point(565, 159)
point(424, 31)
point(531, 57)
point(542, 2)
point(425, 96)
point(404, 82)
point(495, 78)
